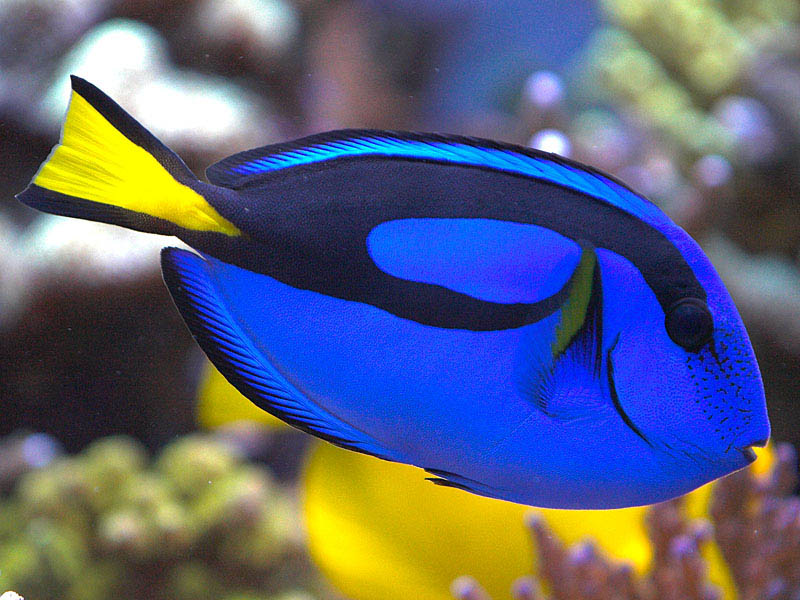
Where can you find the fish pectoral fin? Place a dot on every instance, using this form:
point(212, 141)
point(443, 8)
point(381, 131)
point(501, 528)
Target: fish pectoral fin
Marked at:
point(562, 376)
point(247, 369)
point(579, 327)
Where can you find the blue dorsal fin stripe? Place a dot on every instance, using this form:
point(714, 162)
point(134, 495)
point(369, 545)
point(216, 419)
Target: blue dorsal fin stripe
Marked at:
point(218, 334)
point(251, 166)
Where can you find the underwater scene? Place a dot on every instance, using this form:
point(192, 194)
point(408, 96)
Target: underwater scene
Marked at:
point(400, 299)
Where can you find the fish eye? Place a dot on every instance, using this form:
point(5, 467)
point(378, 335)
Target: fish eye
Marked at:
point(689, 323)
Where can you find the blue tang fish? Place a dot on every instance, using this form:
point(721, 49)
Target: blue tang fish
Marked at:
point(519, 325)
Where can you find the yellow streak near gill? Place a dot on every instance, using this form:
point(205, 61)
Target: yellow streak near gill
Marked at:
point(96, 162)
point(573, 312)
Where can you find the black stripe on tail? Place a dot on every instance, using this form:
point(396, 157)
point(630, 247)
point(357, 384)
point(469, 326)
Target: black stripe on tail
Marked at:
point(132, 129)
point(64, 205)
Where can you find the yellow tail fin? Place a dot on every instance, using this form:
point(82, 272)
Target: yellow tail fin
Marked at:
point(107, 167)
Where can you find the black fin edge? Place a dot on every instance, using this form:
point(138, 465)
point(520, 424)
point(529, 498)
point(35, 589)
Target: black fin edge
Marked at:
point(132, 129)
point(56, 203)
point(451, 484)
point(454, 480)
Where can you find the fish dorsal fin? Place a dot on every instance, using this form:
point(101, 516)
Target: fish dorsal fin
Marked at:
point(250, 167)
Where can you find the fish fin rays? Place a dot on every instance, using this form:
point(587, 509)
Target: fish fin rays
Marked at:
point(580, 327)
point(237, 170)
point(573, 353)
point(107, 167)
point(248, 167)
point(222, 339)
point(568, 390)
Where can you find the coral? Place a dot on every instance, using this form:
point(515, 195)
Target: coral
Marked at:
point(712, 87)
point(21, 453)
point(197, 522)
point(754, 522)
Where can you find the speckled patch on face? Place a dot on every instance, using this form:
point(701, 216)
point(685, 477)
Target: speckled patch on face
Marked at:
point(723, 377)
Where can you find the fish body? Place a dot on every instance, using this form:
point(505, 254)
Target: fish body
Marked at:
point(520, 326)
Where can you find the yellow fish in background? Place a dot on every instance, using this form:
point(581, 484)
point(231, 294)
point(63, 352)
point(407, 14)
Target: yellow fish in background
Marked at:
point(379, 532)
point(219, 403)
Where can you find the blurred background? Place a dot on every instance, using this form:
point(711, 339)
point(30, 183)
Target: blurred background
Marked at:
point(694, 103)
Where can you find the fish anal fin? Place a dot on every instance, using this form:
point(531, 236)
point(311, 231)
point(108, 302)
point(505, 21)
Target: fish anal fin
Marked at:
point(454, 480)
point(451, 484)
point(231, 351)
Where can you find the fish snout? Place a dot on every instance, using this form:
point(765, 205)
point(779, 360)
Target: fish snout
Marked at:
point(749, 452)
point(756, 432)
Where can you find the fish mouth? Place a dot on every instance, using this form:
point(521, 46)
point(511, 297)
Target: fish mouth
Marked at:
point(748, 451)
point(749, 454)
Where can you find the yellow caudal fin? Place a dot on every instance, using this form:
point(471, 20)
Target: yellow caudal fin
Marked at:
point(107, 167)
